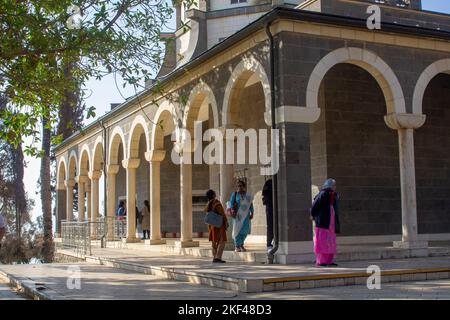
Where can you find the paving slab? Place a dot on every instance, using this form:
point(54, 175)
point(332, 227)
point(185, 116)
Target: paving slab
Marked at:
point(9, 293)
point(105, 283)
point(57, 282)
point(254, 277)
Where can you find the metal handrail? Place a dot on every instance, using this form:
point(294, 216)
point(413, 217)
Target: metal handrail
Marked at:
point(81, 236)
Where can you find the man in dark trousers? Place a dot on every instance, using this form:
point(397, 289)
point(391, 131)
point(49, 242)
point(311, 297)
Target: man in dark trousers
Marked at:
point(268, 202)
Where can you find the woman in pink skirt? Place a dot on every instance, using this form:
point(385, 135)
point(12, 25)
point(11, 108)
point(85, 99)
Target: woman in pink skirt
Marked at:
point(324, 212)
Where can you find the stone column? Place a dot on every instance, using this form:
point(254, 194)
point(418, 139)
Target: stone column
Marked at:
point(186, 201)
point(94, 176)
point(131, 165)
point(112, 171)
point(87, 188)
point(81, 180)
point(69, 198)
point(294, 184)
point(155, 157)
point(405, 125)
point(227, 184)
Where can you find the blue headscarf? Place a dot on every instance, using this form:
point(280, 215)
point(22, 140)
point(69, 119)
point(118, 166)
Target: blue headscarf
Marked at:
point(329, 183)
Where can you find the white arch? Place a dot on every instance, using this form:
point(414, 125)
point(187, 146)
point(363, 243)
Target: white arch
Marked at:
point(166, 106)
point(117, 132)
point(138, 121)
point(60, 183)
point(252, 66)
point(367, 60)
point(84, 148)
point(203, 91)
point(98, 141)
point(73, 155)
point(427, 75)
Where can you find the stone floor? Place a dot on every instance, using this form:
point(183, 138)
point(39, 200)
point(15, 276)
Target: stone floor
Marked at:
point(101, 282)
point(257, 270)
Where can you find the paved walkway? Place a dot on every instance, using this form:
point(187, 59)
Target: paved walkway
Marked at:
point(420, 290)
point(101, 282)
point(241, 270)
point(57, 281)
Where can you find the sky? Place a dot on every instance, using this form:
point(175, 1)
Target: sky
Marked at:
point(105, 92)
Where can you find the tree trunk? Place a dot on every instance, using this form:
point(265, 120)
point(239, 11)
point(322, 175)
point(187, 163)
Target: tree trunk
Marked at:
point(19, 188)
point(46, 194)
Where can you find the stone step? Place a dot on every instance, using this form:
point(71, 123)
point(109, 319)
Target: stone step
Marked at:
point(319, 278)
point(205, 252)
point(257, 255)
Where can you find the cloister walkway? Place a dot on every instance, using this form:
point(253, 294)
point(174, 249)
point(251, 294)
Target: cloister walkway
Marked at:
point(259, 277)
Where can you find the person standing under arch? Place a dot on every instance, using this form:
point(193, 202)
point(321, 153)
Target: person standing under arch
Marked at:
point(325, 214)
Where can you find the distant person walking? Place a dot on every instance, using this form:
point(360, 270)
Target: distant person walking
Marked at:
point(241, 202)
point(217, 236)
point(2, 229)
point(325, 213)
point(268, 202)
point(145, 214)
point(121, 211)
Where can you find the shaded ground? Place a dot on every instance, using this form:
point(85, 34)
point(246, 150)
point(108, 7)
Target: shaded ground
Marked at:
point(8, 293)
point(102, 282)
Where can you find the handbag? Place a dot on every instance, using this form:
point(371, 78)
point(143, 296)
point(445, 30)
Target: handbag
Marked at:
point(232, 212)
point(214, 219)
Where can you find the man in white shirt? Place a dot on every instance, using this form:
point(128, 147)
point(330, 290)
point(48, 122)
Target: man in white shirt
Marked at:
point(2, 228)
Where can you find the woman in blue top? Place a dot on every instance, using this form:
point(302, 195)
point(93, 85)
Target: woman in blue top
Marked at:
point(121, 211)
point(241, 201)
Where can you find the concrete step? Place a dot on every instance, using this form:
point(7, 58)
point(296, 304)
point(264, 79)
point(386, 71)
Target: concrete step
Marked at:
point(276, 278)
point(206, 252)
point(256, 254)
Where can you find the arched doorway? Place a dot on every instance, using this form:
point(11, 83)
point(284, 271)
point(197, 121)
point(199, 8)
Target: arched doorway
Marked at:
point(164, 177)
point(432, 145)
point(200, 115)
point(246, 110)
point(138, 147)
point(352, 144)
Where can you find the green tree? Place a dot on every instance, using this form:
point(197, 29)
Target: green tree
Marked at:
point(41, 39)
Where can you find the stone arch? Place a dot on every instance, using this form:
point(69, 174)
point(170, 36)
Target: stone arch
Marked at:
point(85, 161)
point(427, 75)
point(138, 127)
point(72, 167)
point(367, 60)
point(197, 96)
point(164, 123)
point(62, 174)
point(97, 155)
point(117, 137)
point(248, 67)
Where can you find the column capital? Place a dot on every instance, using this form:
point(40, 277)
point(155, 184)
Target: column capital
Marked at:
point(398, 121)
point(131, 163)
point(95, 175)
point(69, 183)
point(81, 179)
point(155, 155)
point(112, 169)
point(297, 114)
